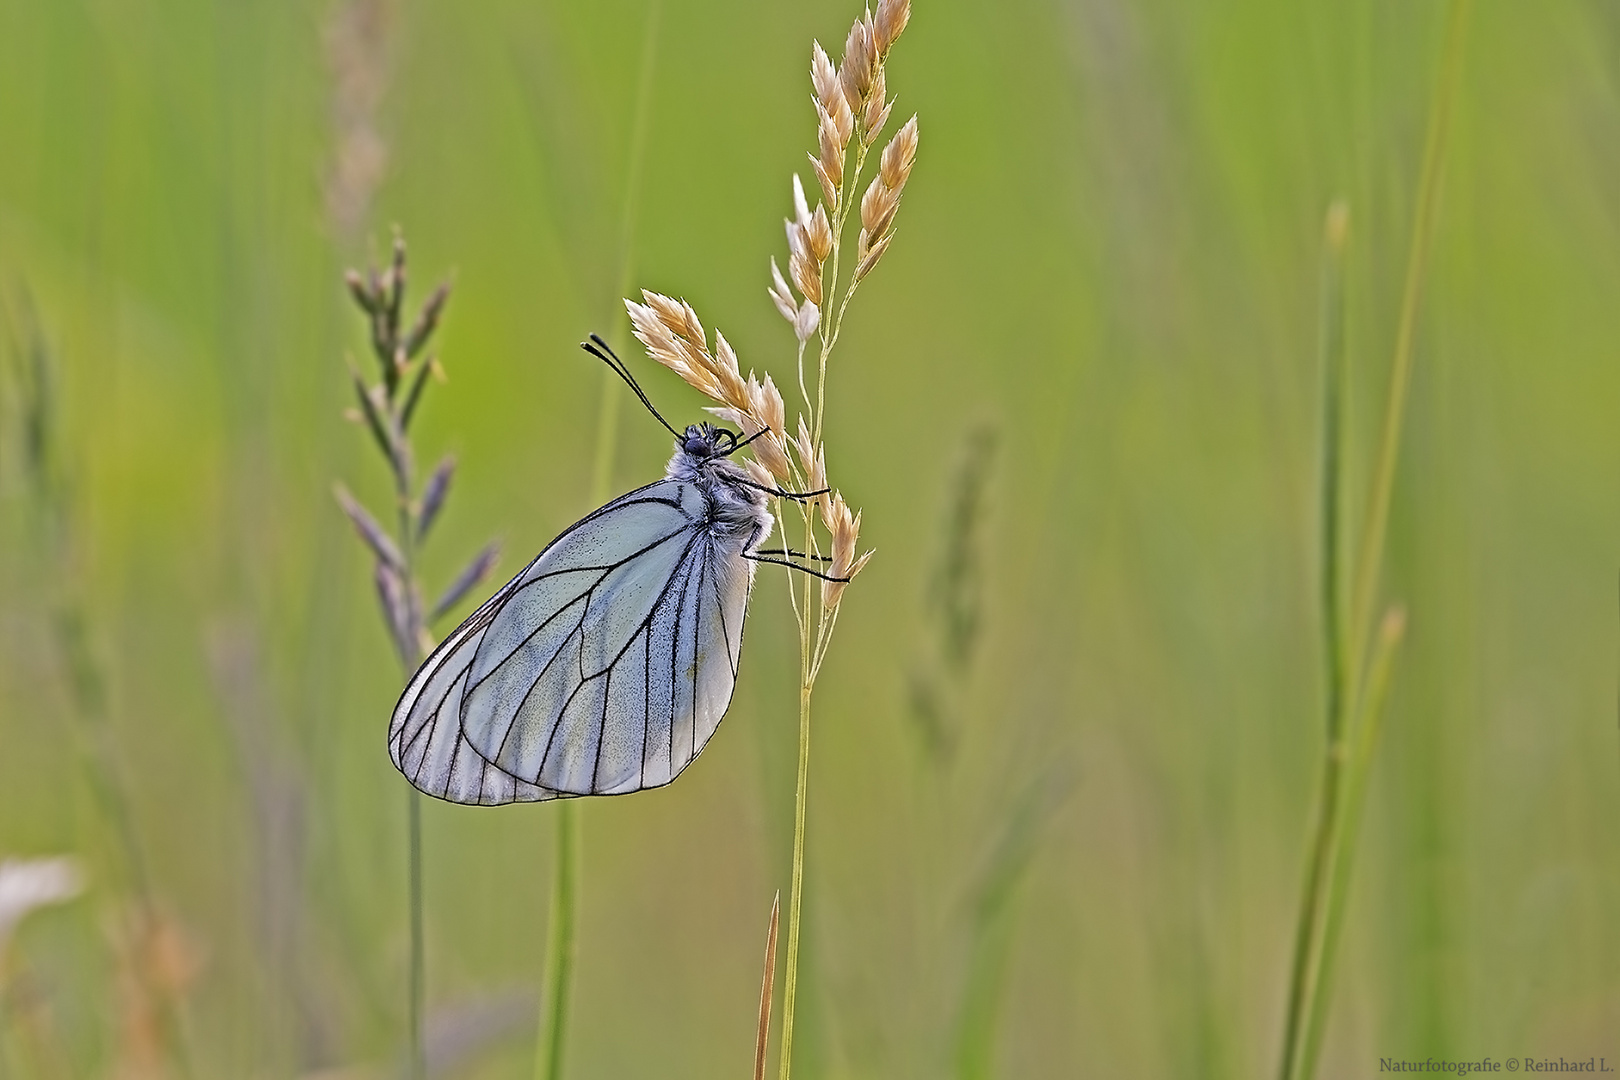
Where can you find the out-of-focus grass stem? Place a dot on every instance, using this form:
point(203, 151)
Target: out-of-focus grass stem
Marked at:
point(1369, 564)
point(1368, 727)
point(50, 488)
point(1355, 687)
point(386, 409)
point(1302, 976)
point(563, 925)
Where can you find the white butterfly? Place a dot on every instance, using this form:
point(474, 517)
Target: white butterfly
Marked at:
point(606, 665)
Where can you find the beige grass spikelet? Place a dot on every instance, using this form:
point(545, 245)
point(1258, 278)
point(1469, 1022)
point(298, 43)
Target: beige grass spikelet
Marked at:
point(900, 155)
point(892, 16)
point(809, 318)
point(673, 336)
point(876, 112)
point(781, 295)
point(882, 199)
point(846, 530)
point(824, 77)
point(860, 61)
point(819, 233)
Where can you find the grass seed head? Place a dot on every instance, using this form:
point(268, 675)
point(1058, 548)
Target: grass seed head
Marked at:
point(812, 462)
point(758, 473)
point(808, 319)
point(860, 61)
point(829, 183)
point(900, 155)
point(824, 77)
point(781, 295)
point(869, 256)
point(820, 235)
point(671, 332)
point(846, 531)
point(877, 209)
point(673, 350)
point(802, 265)
point(892, 16)
point(876, 112)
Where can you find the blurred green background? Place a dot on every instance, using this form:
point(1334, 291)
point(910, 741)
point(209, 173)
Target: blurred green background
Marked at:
point(1079, 400)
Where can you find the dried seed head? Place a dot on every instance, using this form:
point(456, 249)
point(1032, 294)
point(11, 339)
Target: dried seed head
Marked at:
point(805, 323)
point(748, 404)
point(819, 234)
point(803, 268)
point(767, 450)
point(803, 445)
point(765, 402)
point(733, 390)
point(892, 16)
point(801, 208)
point(832, 108)
point(899, 156)
point(781, 295)
point(758, 473)
point(870, 257)
point(846, 530)
point(679, 317)
point(673, 350)
point(798, 244)
point(877, 208)
point(860, 61)
point(824, 76)
point(876, 108)
point(829, 183)
point(828, 142)
point(812, 461)
point(874, 130)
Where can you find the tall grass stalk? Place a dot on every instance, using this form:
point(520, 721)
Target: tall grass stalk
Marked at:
point(852, 110)
point(385, 409)
point(563, 925)
point(140, 919)
point(1357, 660)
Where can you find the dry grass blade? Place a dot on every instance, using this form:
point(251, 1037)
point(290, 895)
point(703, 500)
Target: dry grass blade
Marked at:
point(767, 982)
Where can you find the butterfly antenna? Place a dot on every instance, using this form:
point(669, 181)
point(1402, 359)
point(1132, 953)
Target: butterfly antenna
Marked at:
point(736, 445)
point(600, 349)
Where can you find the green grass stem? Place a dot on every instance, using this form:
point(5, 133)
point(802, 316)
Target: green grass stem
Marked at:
point(563, 930)
point(1368, 727)
point(1302, 976)
point(1355, 690)
point(1369, 564)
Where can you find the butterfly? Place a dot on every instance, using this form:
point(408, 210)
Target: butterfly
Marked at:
point(606, 665)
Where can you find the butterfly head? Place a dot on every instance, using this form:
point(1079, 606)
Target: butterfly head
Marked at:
point(704, 441)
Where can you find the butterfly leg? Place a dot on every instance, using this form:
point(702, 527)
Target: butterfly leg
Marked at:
point(759, 557)
point(791, 554)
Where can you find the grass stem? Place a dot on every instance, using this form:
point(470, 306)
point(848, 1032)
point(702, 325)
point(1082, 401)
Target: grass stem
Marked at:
point(1355, 689)
point(1368, 727)
point(562, 935)
point(1369, 564)
point(790, 982)
point(418, 973)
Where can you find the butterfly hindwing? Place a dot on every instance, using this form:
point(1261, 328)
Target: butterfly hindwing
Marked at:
point(425, 740)
point(604, 667)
